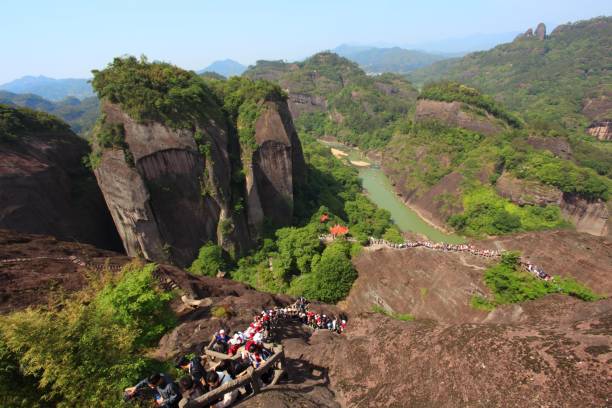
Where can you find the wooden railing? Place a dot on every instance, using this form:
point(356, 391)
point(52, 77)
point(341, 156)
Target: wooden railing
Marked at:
point(251, 376)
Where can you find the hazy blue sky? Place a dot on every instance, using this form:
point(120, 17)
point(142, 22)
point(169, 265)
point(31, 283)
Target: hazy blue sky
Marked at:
point(67, 38)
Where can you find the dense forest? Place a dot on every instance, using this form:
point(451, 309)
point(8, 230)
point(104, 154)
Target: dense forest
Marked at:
point(548, 81)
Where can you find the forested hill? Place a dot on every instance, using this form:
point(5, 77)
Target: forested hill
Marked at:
point(397, 60)
point(79, 114)
point(330, 95)
point(563, 79)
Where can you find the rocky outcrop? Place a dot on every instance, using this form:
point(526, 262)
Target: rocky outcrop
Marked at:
point(303, 103)
point(171, 199)
point(592, 217)
point(46, 189)
point(526, 192)
point(169, 194)
point(601, 130)
point(455, 114)
point(276, 167)
point(540, 32)
point(558, 146)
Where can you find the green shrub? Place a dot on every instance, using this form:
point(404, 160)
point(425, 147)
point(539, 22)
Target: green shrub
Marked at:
point(209, 261)
point(405, 317)
point(333, 275)
point(85, 353)
point(485, 212)
point(481, 303)
point(156, 91)
point(510, 284)
point(221, 312)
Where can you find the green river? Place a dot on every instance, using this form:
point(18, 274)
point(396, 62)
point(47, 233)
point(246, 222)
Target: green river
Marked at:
point(382, 193)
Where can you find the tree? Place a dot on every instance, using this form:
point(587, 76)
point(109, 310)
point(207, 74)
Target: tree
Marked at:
point(209, 261)
point(333, 275)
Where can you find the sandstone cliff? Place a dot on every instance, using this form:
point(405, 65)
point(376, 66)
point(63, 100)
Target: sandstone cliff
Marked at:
point(159, 203)
point(456, 114)
point(44, 186)
point(178, 178)
point(275, 167)
point(601, 130)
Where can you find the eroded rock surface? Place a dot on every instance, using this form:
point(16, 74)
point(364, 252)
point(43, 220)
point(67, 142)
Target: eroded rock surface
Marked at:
point(46, 189)
point(453, 114)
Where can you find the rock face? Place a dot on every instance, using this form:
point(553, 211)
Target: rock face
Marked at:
point(601, 130)
point(158, 203)
point(276, 166)
point(452, 114)
point(303, 103)
point(173, 199)
point(524, 192)
point(46, 189)
point(540, 31)
point(558, 146)
point(592, 217)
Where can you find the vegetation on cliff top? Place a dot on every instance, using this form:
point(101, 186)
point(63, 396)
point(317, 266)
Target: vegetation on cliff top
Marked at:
point(546, 81)
point(510, 284)
point(16, 122)
point(242, 100)
point(357, 108)
point(156, 91)
point(449, 91)
point(87, 351)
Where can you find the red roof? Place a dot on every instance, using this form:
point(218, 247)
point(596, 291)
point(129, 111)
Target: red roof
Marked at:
point(324, 218)
point(337, 230)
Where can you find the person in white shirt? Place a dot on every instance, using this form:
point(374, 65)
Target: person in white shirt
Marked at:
point(215, 379)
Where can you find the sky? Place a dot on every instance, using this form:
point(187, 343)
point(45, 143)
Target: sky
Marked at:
point(69, 38)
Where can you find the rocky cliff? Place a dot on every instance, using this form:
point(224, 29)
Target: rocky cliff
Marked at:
point(601, 130)
point(175, 182)
point(276, 165)
point(456, 114)
point(592, 217)
point(44, 186)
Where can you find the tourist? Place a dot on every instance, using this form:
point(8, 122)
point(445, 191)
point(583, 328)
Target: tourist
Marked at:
point(167, 395)
point(193, 367)
point(190, 390)
point(215, 379)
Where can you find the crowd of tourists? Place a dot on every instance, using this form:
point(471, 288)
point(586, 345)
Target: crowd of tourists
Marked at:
point(439, 246)
point(244, 349)
point(537, 271)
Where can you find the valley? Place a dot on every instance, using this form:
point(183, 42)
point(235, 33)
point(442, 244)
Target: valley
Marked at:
point(395, 227)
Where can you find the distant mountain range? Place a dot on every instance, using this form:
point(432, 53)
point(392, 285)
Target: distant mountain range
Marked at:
point(458, 46)
point(396, 60)
point(79, 114)
point(50, 88)
point(226, 67)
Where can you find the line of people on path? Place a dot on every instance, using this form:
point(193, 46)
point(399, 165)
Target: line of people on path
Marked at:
point(439, 246)
point(537, 271)
point(245, 349)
